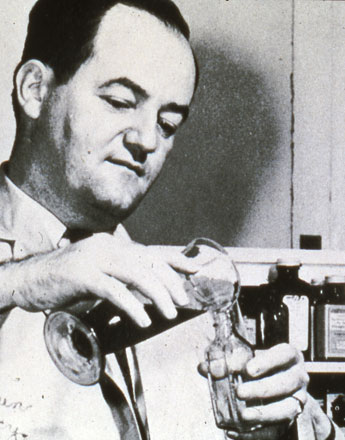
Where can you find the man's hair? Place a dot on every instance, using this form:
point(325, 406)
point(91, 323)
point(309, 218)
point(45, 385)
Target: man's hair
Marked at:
point(61, 33)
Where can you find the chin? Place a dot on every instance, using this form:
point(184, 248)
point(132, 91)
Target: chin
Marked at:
point(118, 209)
point(109, 203)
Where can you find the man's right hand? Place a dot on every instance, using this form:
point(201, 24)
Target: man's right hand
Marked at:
point(101, 265)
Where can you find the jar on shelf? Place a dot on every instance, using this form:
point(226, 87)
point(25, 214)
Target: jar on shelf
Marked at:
point(330, 320)
point(284, 315)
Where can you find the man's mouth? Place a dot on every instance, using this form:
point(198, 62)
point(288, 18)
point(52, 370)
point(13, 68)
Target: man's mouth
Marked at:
point(138, 169)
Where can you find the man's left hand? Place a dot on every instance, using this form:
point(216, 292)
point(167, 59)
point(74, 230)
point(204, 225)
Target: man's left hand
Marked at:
point(276, 377)
point(276, 374)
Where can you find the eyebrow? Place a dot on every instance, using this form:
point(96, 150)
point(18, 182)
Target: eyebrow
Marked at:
point(138, 90)
point(126, 82)
point(177, 108)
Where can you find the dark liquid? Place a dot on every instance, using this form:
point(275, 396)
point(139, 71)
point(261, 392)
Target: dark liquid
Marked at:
point(125, 333)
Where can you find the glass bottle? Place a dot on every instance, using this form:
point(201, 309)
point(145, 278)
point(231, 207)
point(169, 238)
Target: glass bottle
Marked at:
point(318, 291)
point(273, 322)
point(272, 316)
point(219, 291)
point(330, 320)
point(334, 290)
point(78, 340)
point(217, 288)
point(285, 314)
point(233, 352)
point(317, 298)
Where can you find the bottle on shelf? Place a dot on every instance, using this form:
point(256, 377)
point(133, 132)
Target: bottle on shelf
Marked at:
point(330, 320)
point(334, 291)
point(272, 323)
point(284, 315)
point(317, 297)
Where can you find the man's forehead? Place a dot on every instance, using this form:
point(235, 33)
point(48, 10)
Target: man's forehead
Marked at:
point(122, 16)
point(133, 42)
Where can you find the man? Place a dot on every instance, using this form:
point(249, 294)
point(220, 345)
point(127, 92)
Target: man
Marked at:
point(101, 90)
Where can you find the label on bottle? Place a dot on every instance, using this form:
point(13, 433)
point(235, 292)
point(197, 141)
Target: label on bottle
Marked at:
point(336, 329)
point(298, 307)
point(330, 331)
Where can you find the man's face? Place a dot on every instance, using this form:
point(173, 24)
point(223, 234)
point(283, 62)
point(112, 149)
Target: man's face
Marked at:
point(112, 125)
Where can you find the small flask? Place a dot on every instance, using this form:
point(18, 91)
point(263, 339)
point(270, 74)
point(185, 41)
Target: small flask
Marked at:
point(232, 351)
point(230, 348)
point(217, 288)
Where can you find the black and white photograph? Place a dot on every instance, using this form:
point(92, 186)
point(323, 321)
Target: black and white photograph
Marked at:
point(172, 228)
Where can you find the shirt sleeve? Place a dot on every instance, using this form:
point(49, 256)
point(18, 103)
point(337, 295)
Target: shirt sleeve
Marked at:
point(338, 433)
point(308, 424)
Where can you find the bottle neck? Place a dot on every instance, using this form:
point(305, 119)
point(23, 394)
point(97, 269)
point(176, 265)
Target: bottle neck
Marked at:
point(222, 325)
point(334, 293)
point(288, 274)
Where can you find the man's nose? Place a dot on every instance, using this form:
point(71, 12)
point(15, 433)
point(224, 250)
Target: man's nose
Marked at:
point(141, 139)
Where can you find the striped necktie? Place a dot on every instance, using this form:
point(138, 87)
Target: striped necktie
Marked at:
point(132, 424)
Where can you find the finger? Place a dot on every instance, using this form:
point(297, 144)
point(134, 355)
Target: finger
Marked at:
point(156, 291)
point(117, 293)
point(226, 364)
point(280, 384)
point(203, 369)
point(181, 263)
point(216, 367)
point(142, 278)
point(284, 410)
point(172, 281)
point(301, 398)
point(276, 358)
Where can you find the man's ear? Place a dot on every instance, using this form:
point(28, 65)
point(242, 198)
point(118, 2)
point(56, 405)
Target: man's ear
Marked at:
point(32, 83)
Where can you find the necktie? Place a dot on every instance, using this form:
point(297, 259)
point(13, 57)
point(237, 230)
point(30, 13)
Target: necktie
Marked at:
point(132, 425)
point(121, 412)
point(135, 389)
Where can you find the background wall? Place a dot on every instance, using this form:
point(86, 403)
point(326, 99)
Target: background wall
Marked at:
point(260, 160)
point(229, 175)
point(319, 192)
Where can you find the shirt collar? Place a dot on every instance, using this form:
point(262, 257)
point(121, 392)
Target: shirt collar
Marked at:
point(23, 219)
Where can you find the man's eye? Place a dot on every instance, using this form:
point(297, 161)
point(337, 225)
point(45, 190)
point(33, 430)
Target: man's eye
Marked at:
point(118, 103)
point(168, 129)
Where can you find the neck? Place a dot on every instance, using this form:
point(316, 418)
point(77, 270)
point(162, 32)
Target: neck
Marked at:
point(46, 186)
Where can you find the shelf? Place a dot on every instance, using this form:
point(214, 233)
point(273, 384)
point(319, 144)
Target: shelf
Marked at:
point(325, 367)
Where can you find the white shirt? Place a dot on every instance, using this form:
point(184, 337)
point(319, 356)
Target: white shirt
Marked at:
point(36, 400)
